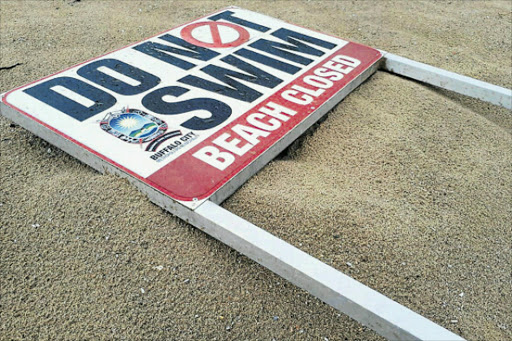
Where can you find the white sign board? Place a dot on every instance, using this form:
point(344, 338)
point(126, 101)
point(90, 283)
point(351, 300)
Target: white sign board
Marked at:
point(189, 109)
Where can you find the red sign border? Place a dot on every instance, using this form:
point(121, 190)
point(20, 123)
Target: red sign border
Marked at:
point(112, 162)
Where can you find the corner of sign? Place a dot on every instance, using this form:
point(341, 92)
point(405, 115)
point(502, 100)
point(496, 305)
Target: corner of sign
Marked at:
point(382, 52)
point(3, 97)
point(193, 204)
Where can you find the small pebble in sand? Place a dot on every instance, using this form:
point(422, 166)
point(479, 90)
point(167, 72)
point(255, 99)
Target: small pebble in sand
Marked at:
point(350, 264)
point(275, 318)
point(454, 321)
point(142, 290)
point(159, 267)
point(35, 225)
point(461, 294)
point(186, 281)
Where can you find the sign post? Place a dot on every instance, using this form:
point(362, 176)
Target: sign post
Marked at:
point(190, 114)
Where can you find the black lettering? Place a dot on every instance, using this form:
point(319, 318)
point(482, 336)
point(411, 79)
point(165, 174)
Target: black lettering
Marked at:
point(228, 16)
point(282, 50)
point(43, 92)
point(234, 88)
point(273, 63)
point(90, 71)
point(220, 111)
point(164, 52)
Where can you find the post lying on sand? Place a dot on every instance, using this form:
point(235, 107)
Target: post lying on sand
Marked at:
point(344, 293)
point(447, 80)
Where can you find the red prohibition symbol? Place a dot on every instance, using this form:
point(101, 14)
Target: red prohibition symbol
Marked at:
point(217, 39)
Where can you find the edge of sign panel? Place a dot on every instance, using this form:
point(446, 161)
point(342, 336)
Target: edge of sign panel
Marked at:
point(235, 178)
point(244, 174)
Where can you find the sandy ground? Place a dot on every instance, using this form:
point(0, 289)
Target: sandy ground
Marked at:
point(409, 184)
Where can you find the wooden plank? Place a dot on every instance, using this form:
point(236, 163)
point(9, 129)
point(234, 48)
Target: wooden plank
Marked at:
point(448, 80)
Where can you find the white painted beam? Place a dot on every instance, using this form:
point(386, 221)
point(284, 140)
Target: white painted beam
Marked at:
point(448, 80)
point(383, 315)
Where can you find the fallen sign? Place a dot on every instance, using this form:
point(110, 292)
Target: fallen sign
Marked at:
point(189, 115)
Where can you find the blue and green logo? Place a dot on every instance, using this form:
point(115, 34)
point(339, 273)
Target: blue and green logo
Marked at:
point(136, 126)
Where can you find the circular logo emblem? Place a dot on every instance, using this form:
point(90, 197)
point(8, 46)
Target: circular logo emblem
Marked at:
point(133, 126)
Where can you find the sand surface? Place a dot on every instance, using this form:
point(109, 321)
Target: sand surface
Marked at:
point(410, 185)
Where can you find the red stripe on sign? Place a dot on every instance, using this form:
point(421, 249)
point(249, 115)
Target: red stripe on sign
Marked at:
point(188, 177)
